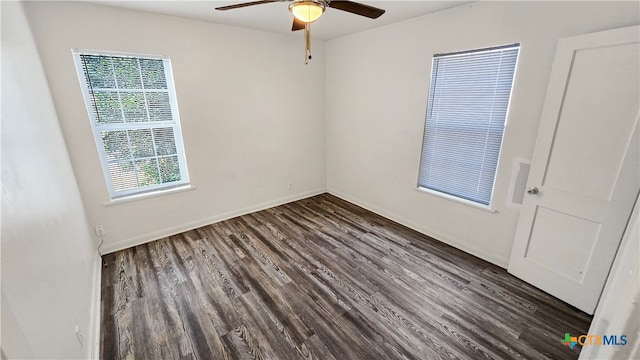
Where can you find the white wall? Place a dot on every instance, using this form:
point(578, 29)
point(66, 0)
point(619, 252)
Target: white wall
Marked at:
point(252, 114)
point(49, 259)
point(377, 85)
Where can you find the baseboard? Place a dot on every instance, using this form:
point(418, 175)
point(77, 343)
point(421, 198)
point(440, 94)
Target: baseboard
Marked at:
point(124, 244)
point(456, 243)
point(94, 336)
point(459, 244)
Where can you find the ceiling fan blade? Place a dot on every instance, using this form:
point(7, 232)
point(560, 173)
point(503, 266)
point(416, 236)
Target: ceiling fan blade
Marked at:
point(297, 24)
point(236, 6)
point(357, 8)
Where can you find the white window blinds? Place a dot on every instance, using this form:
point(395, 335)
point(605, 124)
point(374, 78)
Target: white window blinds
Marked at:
point(466, 112)
point(132, 108)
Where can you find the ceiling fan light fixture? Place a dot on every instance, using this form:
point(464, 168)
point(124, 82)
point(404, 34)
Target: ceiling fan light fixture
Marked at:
point(307, 11)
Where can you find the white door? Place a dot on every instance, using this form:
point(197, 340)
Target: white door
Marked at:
point(585, 171)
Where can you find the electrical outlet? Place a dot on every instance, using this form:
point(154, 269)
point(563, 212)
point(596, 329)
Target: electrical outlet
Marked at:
point(290, 186)
point(100, 230)
point(79, 336)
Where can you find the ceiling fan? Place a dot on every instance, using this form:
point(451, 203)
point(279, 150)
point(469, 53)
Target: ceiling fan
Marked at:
point(307, 11)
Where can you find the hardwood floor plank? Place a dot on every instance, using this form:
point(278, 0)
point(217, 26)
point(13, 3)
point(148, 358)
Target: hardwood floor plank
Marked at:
point(337, 339)
point(124, 334)
point(148, 343)
point(317, 349)
point(276, 303)
point(214, 302)
point(108, 344)
point(266, 330)
point(199, 328)
point(166, 345)
point(166, 317)
point(321, 278)
point(221, 269)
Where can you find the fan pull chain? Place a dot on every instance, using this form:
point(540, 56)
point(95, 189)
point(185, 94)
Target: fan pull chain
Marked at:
point(307, 36)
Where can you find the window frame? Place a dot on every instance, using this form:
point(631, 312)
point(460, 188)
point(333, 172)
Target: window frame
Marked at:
point(466, 201)
point(97, 128)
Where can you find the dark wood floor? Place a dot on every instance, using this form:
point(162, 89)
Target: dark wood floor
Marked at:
point(321, 278)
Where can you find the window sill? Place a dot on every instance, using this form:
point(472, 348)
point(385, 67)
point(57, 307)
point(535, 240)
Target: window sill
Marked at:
point(187, 187)
point(457, 199)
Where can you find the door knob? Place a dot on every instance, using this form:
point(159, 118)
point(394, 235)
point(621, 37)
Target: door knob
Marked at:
point(532, 190)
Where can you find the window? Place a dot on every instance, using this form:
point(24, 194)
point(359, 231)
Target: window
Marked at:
point(131, 103)
point(466, 113)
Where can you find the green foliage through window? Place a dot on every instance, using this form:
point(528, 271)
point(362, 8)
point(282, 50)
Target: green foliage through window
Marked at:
point(129, 103)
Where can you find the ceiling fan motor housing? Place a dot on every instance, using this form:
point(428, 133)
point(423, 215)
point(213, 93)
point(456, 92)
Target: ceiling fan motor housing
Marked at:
point(307, 11)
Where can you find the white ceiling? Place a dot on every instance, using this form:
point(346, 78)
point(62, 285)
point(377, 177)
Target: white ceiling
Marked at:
point(275, 17)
